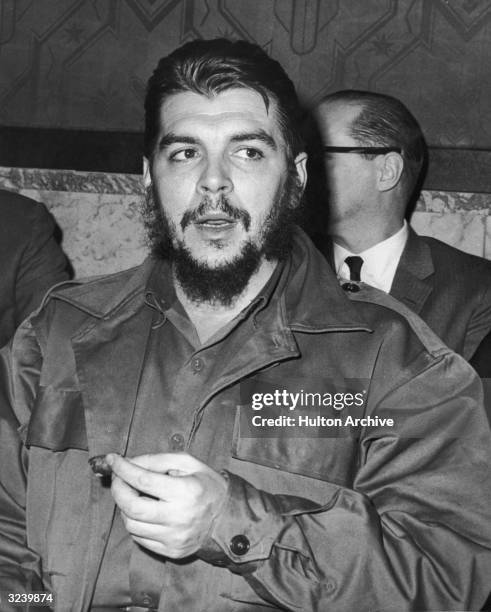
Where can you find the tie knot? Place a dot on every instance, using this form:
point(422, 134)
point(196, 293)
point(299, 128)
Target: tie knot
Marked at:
point(354, 263)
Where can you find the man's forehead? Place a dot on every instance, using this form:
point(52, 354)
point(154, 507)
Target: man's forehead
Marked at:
point(232, 105)
point(337, 118)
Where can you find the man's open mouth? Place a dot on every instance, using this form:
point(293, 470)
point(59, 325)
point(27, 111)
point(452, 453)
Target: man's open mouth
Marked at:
point(219, 221)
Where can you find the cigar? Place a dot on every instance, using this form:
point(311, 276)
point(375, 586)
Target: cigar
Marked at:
point(100, 466)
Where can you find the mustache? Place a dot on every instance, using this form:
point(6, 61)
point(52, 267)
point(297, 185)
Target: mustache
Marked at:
point(208, 205)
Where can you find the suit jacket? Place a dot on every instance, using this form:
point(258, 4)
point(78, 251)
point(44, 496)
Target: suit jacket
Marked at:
point(31, 261)
point(481, 360)
point(449, 289)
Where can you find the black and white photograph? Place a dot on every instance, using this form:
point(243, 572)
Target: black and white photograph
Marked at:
point(245, 305)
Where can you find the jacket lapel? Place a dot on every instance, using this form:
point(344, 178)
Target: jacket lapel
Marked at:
point(413, 280)
point(109, 358)
point(109, 361)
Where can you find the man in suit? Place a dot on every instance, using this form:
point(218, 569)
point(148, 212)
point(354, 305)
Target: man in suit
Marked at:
point(31, 261)
point(374, 152)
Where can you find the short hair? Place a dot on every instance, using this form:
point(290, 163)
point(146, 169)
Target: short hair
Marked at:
point(209, 67)
point(385, 121)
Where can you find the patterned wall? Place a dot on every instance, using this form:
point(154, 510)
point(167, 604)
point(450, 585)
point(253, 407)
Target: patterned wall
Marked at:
point(84, 63)
point(99, 216)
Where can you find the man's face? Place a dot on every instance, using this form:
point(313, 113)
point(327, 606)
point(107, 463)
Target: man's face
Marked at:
point(351, 177)
point(218, 169)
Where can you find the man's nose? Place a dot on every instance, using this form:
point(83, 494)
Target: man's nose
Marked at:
point(215, 177)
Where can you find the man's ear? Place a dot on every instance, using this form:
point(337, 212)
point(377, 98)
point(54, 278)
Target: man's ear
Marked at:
point(390, 169)
point(301, 168)
point(147, 179)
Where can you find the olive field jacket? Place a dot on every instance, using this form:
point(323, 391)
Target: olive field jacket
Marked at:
point(366, 517)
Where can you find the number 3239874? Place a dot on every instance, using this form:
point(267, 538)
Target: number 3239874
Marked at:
point(36, 598)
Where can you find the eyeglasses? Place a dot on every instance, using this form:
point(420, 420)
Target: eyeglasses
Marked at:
point(362, 150)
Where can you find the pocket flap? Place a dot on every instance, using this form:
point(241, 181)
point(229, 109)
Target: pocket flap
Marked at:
point(58, 421)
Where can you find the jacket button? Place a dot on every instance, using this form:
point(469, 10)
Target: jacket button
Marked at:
point(239, 545)
point(176, 442)
point(351, 287)
point(147, 601)
point(197, 364)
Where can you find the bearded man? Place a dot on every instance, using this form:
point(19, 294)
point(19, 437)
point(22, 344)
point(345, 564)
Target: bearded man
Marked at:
point(160, 375)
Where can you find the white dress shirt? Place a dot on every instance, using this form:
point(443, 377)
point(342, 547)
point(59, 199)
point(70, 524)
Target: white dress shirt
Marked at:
point(379, 262)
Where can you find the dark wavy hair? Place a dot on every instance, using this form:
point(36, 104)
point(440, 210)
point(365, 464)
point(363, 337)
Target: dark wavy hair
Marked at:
point(385, 121)
point(209, 67)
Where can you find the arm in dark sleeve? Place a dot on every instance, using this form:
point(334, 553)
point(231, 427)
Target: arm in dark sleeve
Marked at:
point(41, 265)
point(479, 325)
point(481, 362)
point(19, 566)
point(414, 532)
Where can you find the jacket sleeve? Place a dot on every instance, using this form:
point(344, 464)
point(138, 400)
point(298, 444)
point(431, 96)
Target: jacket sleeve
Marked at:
point(479, 324)
point(41, 266)
point(414, 532)
point(20, 570)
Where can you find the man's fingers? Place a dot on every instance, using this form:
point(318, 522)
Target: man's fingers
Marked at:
point(153, 531)
point(162, 539)
point(167, 513)
point(166, 462)
point(135, 506)
point(155, 484)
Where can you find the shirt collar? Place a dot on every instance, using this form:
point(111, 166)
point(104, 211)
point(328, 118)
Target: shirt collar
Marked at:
point(313, 299)
point(163, 297)
point(379, 261)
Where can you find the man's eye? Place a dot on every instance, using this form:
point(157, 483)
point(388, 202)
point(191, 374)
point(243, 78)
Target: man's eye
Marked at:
point(183, 155)
point(249, 153)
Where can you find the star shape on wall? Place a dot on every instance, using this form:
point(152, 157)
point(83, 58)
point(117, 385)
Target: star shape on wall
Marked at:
point(74, 33)
point(382, 45)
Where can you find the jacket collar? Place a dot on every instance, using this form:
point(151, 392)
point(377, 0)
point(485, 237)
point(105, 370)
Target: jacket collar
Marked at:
point(314, 300)
point(103, 297)
point(413, 279)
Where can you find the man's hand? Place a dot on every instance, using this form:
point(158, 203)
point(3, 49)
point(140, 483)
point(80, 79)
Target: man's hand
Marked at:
point(168, 501)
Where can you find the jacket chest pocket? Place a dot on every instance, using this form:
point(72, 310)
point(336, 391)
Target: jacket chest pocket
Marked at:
point(57, 421)
point(295, 429)
point(306, 466)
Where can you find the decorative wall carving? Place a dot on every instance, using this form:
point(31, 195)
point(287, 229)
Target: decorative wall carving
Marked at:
point(83, 64)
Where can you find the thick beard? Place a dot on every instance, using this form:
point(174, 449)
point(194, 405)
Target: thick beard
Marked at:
point(221, 285)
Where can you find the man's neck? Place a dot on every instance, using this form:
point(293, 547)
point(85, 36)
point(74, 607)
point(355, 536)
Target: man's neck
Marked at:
point(208, 317)
point(356, 237)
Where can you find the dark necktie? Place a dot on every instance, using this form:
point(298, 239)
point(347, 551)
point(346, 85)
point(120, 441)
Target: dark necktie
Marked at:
point(354, 263)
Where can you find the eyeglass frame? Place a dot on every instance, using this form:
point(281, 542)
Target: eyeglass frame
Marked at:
point(362, 150)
